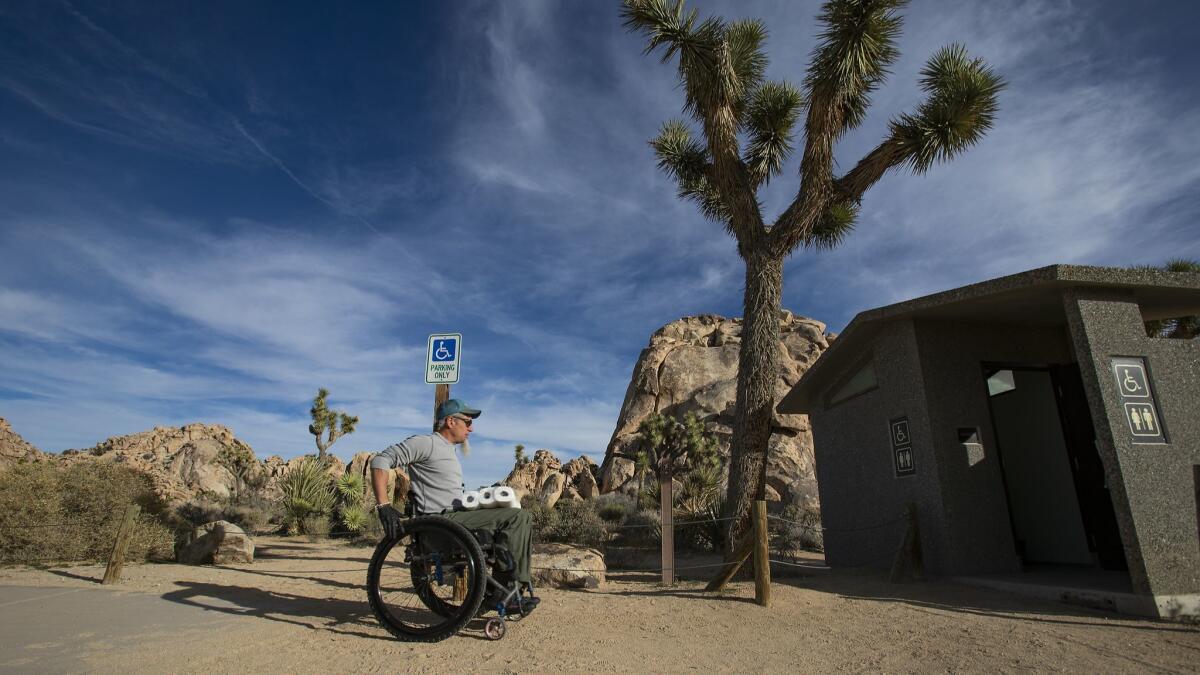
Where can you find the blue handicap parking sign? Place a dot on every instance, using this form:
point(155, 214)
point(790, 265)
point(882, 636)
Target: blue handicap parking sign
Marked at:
point(444, 349)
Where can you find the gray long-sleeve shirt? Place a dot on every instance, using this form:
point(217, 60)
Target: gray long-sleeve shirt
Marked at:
point(430, 462)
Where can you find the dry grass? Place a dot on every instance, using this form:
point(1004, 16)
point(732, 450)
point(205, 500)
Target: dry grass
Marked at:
point(54, 513)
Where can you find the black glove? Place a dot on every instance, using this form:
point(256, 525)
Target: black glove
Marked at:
point(389, 517)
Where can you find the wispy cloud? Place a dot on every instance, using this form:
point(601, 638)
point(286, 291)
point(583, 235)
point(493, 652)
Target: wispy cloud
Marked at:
point(284, 223)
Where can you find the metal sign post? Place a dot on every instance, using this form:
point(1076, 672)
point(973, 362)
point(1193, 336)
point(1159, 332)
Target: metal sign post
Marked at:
point(444, 356)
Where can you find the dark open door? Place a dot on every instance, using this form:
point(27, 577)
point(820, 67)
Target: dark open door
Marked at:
point(1095, 502)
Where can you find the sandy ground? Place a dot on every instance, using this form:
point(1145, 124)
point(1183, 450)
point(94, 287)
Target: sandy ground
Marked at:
point(301, 607)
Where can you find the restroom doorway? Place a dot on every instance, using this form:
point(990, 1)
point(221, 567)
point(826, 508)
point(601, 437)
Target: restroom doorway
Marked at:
point(1059, 504)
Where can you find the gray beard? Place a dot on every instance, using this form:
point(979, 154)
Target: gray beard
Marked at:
point(465, 447)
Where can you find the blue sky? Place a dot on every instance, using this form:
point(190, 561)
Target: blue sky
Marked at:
point(208, 210)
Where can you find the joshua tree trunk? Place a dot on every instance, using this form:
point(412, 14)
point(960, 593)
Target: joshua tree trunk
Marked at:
point(757, 371)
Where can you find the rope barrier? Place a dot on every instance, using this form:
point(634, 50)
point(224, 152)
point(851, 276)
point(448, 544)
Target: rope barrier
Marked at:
point(677, 523)
point(837, 530)
point(77, 523)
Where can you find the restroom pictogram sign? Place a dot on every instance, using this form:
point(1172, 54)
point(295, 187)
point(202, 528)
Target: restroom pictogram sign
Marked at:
point(1138, 404)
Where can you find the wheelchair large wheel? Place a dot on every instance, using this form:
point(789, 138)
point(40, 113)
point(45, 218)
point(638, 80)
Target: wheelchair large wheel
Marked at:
point(411, 581)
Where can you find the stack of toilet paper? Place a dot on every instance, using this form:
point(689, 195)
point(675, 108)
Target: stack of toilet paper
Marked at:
point(488, 498)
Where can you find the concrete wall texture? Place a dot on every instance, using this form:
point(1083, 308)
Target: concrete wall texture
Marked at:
point(1153, 486)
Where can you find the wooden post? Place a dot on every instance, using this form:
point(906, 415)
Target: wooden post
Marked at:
point(666, 504)
point(740, 553)
point(441, 394)
point(116, 559)
point(762, 562)
point(460, 588)
point(908, 556)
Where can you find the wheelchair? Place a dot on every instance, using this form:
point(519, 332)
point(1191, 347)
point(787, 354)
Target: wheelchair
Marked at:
point(430, 581)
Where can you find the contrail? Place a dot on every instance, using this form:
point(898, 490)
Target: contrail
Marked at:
point(296, 179)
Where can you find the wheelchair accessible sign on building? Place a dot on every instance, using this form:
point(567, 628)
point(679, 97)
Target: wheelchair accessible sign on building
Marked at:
point(445, 351)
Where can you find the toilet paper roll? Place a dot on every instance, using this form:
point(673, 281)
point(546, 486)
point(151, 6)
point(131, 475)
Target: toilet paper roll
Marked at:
point(487, 498)
point(469, 501)
point(506, 497)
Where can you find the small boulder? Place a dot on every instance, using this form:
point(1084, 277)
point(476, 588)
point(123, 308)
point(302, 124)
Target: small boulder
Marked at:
point(218, 543)
point(564, 566)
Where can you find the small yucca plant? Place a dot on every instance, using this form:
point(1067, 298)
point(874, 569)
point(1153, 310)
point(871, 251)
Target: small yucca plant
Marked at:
point(350, 488)
point(354, 518)
point(307, 493)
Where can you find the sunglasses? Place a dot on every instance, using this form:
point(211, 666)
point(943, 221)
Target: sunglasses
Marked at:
point(465, 420)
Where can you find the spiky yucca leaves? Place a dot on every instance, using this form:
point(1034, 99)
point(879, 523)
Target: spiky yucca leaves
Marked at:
point(354, 518)
point(960, 108)
point(350, 488)
point(328, 425)
point(721, 69)
point(1179, 328)
point(308, 494)
point(857, 45)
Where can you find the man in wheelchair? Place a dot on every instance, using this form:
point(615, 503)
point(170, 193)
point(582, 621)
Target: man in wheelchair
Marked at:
point(505, 535)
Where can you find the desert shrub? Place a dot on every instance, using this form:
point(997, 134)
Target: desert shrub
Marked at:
point(641, 529)
point(614, 507)
point(797, 527)
point(569, 522)
point(50, 512)
point(578, 523)
point(315, 525)
point(252, 514)
point(545, 521)
point(308, 498)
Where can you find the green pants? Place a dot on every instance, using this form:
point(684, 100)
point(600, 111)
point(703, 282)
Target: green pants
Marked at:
point(516, 523)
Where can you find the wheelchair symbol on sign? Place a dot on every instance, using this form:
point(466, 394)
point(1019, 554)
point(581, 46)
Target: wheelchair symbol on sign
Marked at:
point(1130, 383)
point(442, 353)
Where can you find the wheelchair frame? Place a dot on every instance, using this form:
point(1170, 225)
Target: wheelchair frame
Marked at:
point(443, 559)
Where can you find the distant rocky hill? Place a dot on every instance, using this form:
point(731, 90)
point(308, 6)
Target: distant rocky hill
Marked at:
point(14, 449)
point(691, 365)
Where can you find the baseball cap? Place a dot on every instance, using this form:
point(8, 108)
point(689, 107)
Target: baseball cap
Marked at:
point(456, 407)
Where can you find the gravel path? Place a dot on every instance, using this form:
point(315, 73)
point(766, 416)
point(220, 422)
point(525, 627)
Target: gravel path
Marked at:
point(301, 607)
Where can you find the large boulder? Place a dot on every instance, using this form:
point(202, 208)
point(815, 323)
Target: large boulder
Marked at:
point(14, 449)
point(565, 566)
point(217, 543)
point(691, 365)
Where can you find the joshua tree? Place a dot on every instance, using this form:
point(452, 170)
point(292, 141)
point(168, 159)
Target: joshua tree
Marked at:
point(1183, 327)
point(721, 70)
point(328, 425)
point(519, 458)
point(668, 442)
point(239, 461)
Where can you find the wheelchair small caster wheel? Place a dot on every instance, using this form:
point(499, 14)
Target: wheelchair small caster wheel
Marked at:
point(494, 629)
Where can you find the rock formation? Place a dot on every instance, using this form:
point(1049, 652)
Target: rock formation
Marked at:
point(181, 461)
point(14, 449)
point(549, 480)
point(219, 543)
point(691, 365)
point(566, 566)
